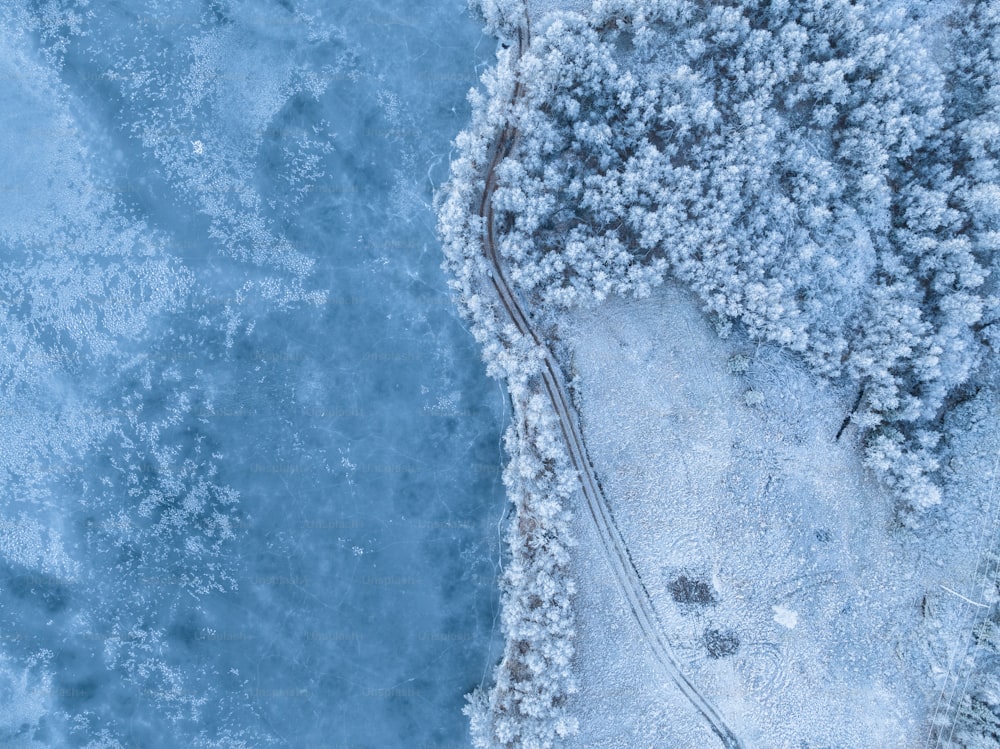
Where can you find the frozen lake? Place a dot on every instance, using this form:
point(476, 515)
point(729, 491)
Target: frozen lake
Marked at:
point(252, 463)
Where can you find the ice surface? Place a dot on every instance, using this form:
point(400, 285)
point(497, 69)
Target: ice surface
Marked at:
point(251, 462)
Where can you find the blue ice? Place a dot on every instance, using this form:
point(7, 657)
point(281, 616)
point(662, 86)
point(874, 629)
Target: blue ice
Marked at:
point(251, 461)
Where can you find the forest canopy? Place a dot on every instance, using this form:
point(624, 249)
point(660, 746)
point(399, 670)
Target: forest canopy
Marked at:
point(822, 173)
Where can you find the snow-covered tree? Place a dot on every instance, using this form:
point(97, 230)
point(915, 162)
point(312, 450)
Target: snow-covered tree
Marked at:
point(817, 171)
point(810, 169)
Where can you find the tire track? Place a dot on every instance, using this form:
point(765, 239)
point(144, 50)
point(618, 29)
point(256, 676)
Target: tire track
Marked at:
point(626, 575)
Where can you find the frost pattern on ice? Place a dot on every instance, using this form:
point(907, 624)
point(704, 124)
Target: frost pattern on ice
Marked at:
point(96, 395)
point(183, 183)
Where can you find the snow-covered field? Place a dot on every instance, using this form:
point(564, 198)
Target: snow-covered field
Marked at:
point(774, 562)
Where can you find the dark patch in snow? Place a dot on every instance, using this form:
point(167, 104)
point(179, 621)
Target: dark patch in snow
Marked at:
point(721, 643)
point(690, 590)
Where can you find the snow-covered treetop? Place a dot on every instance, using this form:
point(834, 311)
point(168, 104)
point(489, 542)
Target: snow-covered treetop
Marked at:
point(810, 169)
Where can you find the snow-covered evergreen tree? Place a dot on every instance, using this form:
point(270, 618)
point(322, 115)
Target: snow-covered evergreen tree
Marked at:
point(822, 172)
point(809, 168)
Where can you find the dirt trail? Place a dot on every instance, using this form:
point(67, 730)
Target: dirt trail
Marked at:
point(626, 575)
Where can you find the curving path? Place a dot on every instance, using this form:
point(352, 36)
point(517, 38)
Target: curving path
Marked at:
point(617, 552)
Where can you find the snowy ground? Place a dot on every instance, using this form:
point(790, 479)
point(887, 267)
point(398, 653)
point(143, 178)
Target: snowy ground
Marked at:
point(774, 563)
